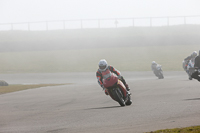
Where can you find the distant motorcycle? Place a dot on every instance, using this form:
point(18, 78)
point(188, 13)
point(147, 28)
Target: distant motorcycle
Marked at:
point(117, 90)
point(190, 69)
point(158, 72)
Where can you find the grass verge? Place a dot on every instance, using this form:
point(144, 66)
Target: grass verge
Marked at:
point(193, 129)
point(20, 87)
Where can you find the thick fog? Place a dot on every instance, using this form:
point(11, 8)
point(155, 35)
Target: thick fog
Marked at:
point(36, 30)
point(76, 14)
point(12, 11)
point(66, 14)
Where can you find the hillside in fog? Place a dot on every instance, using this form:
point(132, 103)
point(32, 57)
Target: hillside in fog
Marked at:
point(96, 38)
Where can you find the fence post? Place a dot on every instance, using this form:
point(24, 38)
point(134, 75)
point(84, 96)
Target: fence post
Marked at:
point(116, 22)
point(167, 21)
point(99, 24)
point(11, 26)
point(64, 24)
point(47, 25)
point(150, 22)
point(28, 26)
point(184, 20)
point(81, 23)
point(133, 22)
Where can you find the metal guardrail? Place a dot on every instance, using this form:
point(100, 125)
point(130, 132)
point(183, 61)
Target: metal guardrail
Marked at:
point(100, 23)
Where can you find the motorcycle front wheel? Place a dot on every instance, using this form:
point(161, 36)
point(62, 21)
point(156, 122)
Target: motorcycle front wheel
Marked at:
point(161, 75)
point(118, 96)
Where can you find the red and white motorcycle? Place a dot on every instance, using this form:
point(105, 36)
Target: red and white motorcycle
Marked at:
point(116, 89)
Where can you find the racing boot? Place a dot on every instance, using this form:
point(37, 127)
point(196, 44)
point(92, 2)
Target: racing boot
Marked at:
point(127, 89)
point(106, 92)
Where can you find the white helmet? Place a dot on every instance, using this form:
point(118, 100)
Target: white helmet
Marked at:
point(194, 54)
point(103, 65)
point(153, 62)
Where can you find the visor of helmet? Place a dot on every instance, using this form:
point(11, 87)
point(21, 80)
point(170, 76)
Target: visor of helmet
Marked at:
point(102, 67)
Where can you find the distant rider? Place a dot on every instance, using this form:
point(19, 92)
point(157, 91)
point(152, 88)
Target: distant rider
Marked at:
point(195, 75)
point(153, 67)
point(103, 66)
point(191, 57)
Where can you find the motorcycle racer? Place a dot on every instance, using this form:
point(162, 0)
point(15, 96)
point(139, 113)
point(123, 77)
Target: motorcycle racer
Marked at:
point(195, 75)
point(103, 66)
point(191, 57)
point(154, 68)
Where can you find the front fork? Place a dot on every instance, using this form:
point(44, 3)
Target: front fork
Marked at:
point(122, 88)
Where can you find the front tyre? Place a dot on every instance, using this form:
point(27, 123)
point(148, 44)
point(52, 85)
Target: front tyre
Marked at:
point(119, 96)
point(161, 75)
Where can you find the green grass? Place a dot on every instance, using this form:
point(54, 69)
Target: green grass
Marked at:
point(14, 88)
point(135, 58)
point(193, 129)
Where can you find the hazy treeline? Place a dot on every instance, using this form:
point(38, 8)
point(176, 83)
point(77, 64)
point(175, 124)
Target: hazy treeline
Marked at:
point(98, 38)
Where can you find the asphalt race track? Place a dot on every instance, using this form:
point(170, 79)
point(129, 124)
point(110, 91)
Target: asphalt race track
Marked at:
point(82, 107)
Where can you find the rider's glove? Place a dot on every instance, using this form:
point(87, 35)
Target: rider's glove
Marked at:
point(119, 77)
point(103, 87)
point(106, 92)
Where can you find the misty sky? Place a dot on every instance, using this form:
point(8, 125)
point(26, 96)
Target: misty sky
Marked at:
point(42, 10)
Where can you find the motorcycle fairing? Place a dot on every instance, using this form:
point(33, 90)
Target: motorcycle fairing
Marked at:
point(113, 82)
point(122, 87)
point(110, 81)
point(119, 85)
